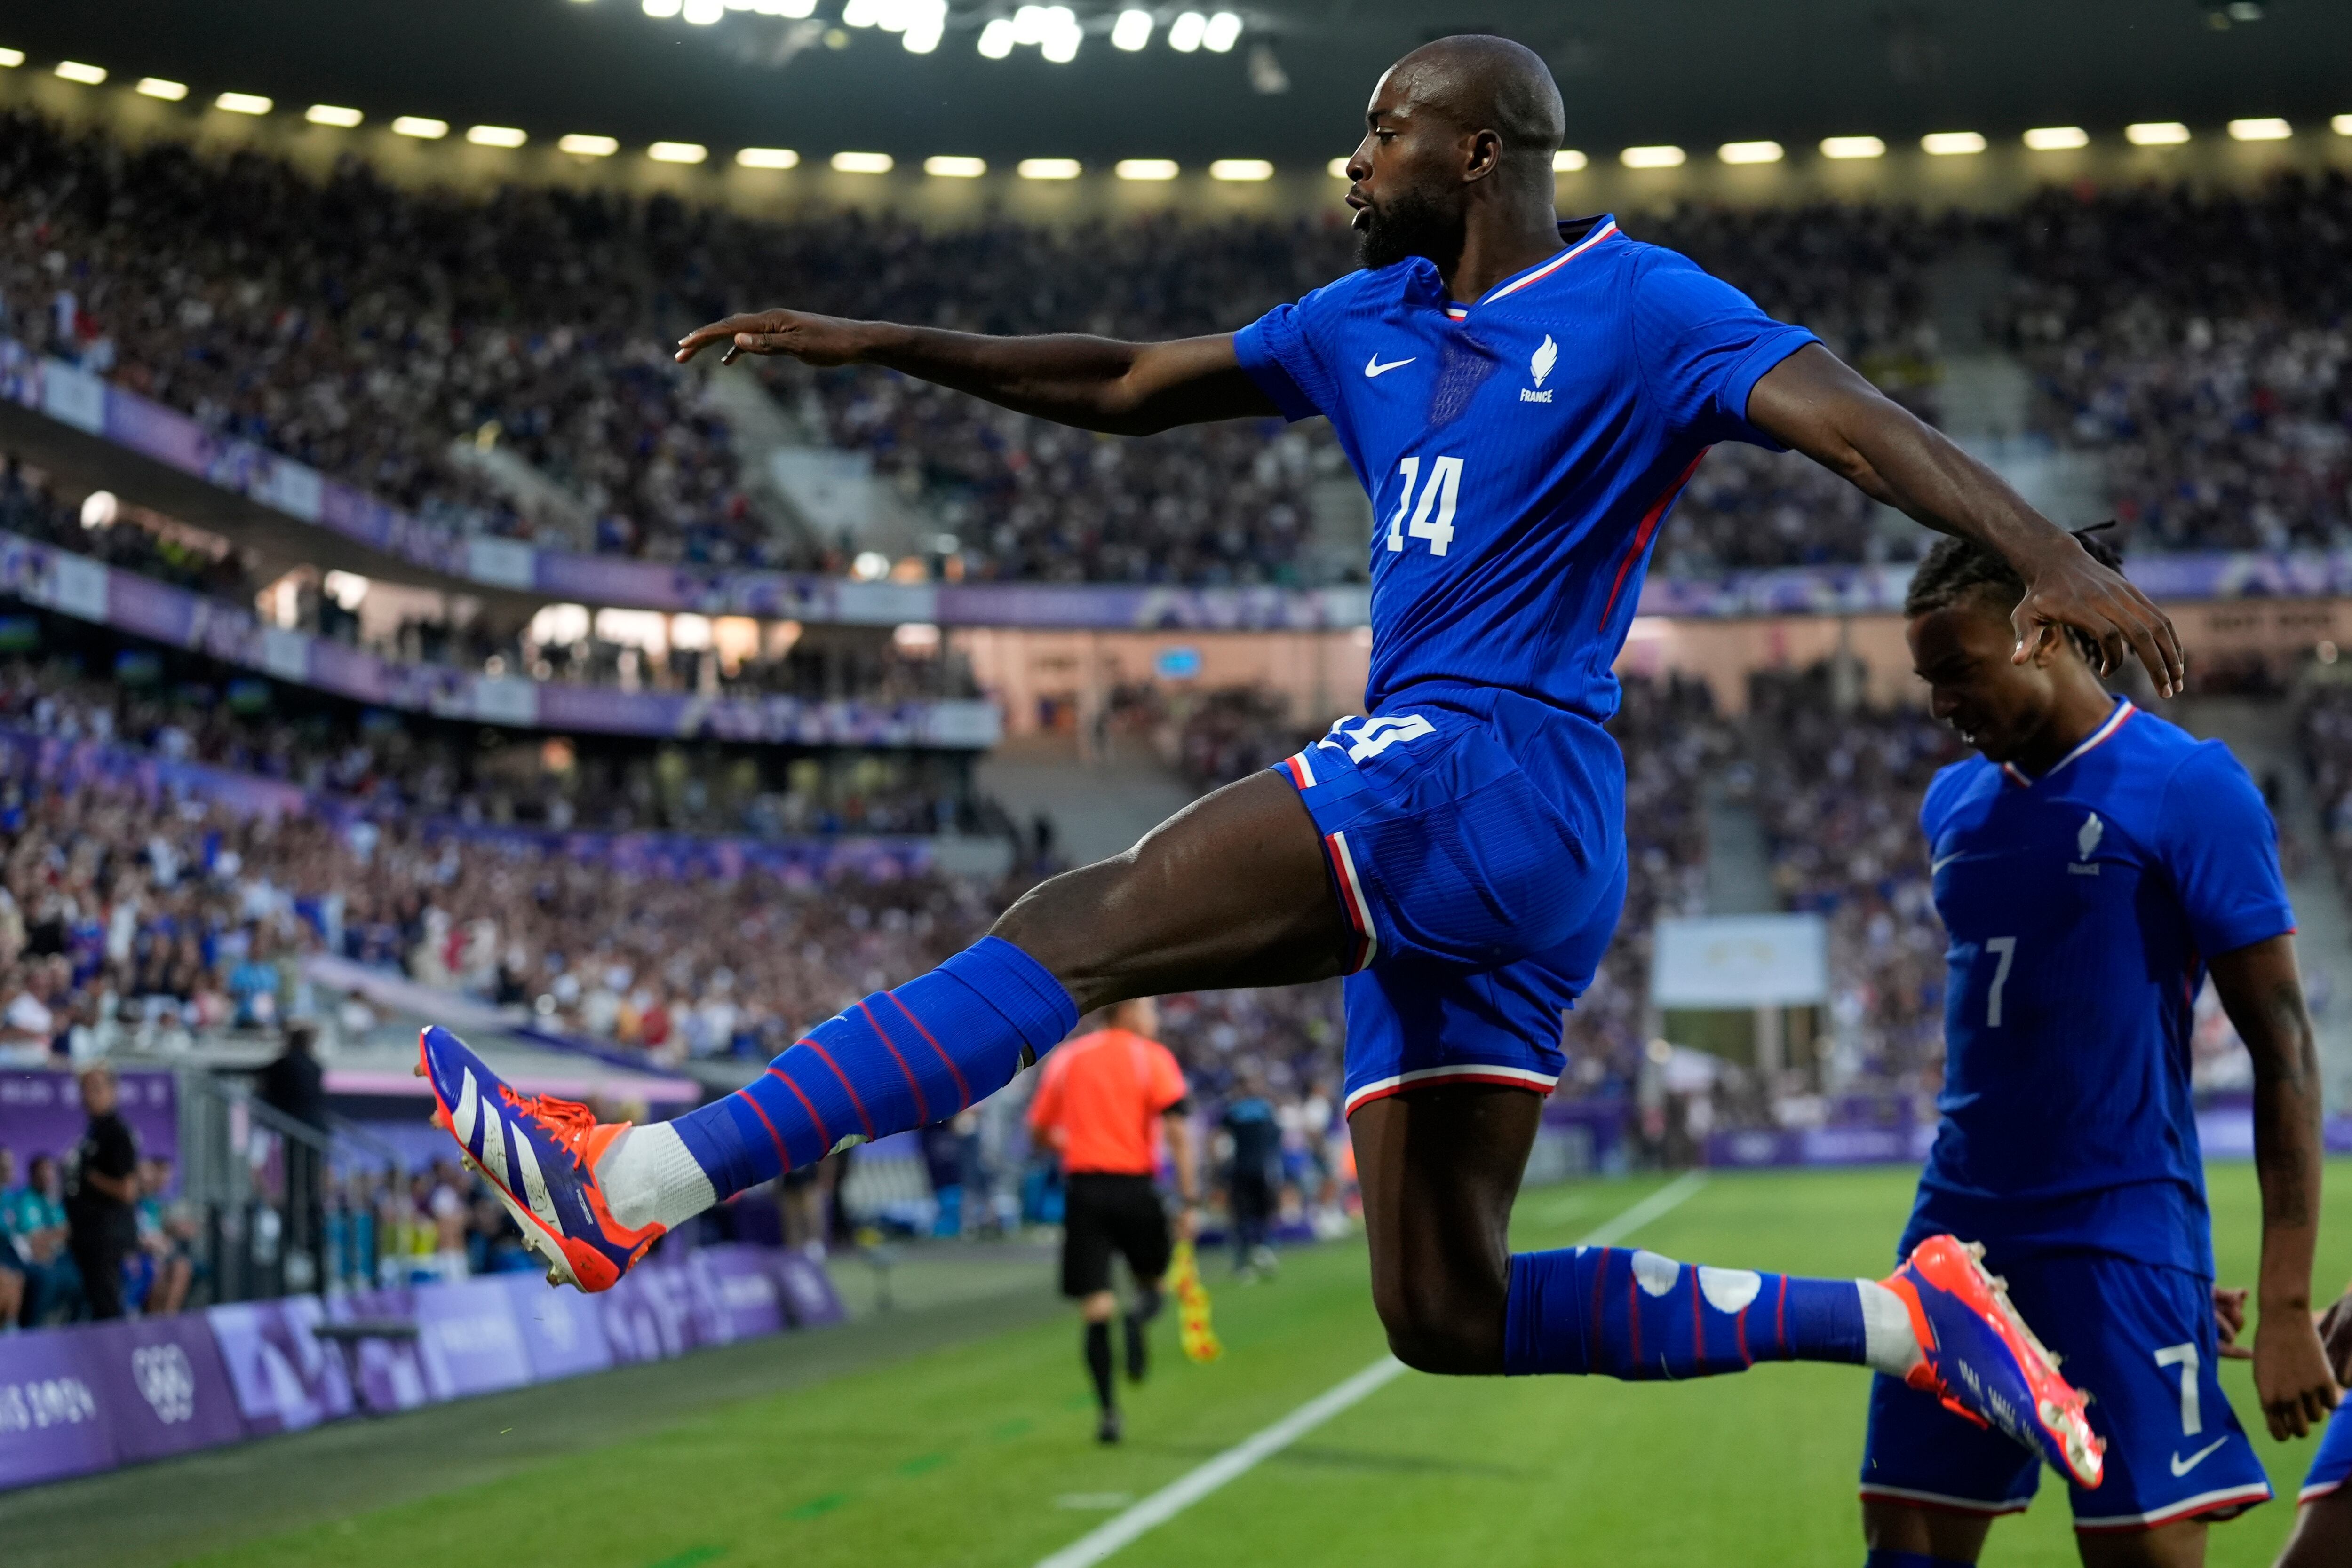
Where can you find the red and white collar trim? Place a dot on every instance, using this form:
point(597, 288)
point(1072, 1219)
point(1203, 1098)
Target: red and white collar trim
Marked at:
point(2123, 710)
point(1538, 272)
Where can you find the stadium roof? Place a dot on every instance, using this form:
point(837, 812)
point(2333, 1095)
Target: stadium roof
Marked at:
point(1288, 88)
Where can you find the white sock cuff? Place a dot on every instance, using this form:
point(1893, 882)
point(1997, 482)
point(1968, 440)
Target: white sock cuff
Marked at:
point(649, 1174)
point(1889, 1344)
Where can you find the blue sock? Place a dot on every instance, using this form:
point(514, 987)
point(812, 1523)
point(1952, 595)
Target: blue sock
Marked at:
point(1886, 1557)
point(1625, 1314)
point(897, 1060)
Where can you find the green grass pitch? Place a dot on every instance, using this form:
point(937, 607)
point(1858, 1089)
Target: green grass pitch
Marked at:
point(979, 1454)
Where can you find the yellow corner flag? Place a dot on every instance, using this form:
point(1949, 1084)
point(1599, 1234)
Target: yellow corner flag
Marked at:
point(1200, 1341)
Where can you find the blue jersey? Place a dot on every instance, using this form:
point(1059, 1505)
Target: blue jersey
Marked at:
point(2081, 907)
point(1520, 452)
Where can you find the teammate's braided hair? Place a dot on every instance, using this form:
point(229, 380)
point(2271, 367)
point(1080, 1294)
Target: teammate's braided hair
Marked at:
point(1957, 567)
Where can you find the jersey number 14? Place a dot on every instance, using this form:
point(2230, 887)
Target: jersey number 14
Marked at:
point(1432, 519)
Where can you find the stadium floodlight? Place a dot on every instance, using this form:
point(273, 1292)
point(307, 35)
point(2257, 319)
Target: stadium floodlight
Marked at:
point(1568, 160)
point(75, 70)
point(1185, 32)
point(948, 167)
point(1846, 147)
point(1048, 169)
point(661, 10)
point(1157, 168)
point(925, 25)
point(996, 39)
point(1751, 152)
point(1952, 144)
point(1241, 168)
point(1224, 31)
point(677, 151)
point(2056, 138)
point(2341, 125)
point(2260, 130)
point(156, 87)
point(703, 12)
point(768, 157)
point(12, 59)
point(496, 135)
point(794, 10)
point(581, 146)
point(1653, 157)
point(862, 163)
point(1337, 168)
point(244, 103)
point(424, 127)
point(2156, 133)
point(1131, 31)
point(333, 114)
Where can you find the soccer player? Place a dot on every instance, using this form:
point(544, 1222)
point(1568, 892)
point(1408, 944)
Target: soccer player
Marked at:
point(2323, 1524)
point(1099, 1099)
point(2092, 865)
point(1523, 399)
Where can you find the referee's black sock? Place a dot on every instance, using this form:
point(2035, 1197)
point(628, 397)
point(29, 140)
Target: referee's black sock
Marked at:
point(1098, 1361)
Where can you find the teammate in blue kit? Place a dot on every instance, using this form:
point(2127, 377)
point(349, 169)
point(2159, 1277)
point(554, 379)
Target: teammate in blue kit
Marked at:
point(2092, 865)
point(1523, 399)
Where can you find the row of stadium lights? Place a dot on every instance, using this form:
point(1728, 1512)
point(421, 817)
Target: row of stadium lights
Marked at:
point(1054, 31)
point(1940, 143)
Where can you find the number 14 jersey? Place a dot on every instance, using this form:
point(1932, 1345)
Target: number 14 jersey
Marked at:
point(2081, 906)
point(1520, 452)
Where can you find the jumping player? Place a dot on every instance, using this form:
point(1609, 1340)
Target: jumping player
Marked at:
point(1523, 399)
point(2323, 1523)
point(2092, 864)
point(1097, 1099)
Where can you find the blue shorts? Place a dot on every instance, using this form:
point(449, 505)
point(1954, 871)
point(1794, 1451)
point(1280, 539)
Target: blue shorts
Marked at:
point(2333, 1464)
point(2138, 1338)
point(1479, 857)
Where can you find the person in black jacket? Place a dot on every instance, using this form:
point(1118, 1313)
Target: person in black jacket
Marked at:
point(101, 1221)
point(296, 1085)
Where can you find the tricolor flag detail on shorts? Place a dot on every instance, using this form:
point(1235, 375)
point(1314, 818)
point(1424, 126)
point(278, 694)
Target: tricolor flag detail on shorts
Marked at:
point(1352, 898)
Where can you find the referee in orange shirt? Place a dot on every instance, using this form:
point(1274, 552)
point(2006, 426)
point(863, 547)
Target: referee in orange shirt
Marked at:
point(1099, 1103)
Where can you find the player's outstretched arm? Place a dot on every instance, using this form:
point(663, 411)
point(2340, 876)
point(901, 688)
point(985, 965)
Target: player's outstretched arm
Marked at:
point(1094, 383)
point(2262, 993)
point(1814, 402)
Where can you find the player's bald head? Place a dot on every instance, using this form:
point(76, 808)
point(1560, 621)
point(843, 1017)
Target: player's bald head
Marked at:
point(1476, 81)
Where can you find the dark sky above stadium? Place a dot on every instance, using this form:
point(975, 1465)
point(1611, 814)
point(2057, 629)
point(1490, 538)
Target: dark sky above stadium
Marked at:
point(1693, 71)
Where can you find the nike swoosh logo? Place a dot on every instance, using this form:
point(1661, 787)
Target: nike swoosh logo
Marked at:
point(2181, 1467)
point(1372, 367)
point(1938, 865)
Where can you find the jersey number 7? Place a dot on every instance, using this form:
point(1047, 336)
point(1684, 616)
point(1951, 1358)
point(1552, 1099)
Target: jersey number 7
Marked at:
point(1437, 497)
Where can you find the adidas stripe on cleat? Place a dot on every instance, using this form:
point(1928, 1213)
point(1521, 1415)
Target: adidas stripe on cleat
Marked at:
point(1977, 1356)
point(538, 1155)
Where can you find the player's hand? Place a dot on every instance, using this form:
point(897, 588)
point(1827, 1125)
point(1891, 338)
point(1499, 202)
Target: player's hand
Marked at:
point(2069, 588)
point(810, 339)
point(1187, 1221)
point(2336, 1333)
point(2230, 1321)
point(2291, 1377)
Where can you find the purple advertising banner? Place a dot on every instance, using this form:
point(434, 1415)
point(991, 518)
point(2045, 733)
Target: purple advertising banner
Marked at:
point(736, 1295)
point(50, 1421)
point(806, 1290)
point(562, 1333)
point(466, 1331)
point(635, 1328)
point(41, 1113)
point(390, 1372)
point(284, 1378)
point(161, 1388)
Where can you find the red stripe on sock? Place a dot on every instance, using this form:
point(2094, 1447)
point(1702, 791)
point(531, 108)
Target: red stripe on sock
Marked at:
point(922, 1105)
point(1780, 1322)
point(782, 1152)
point(1592, 1356)
point(961, 1087)
point(1634, 1315)
point(826, 1057)
point(1699, 1321)
point(823, 1138)
point(1740, 1327)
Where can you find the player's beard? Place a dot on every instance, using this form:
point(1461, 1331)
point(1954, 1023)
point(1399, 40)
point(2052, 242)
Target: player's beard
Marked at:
point(1407, 224)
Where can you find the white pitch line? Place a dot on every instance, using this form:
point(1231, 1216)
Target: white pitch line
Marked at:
point(1185, 1490)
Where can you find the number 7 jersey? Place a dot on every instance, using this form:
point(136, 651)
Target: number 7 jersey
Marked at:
point(1520, 452)
point(2080, 908)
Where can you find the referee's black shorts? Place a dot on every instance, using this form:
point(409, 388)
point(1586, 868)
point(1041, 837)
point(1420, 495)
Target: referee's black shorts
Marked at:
point(1106, 1214)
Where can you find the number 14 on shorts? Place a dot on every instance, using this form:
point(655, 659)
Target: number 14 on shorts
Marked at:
point(1432, 519)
